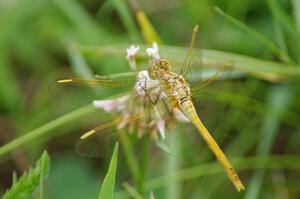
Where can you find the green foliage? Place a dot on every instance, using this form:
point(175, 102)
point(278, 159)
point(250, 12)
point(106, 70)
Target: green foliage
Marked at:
point(72, 177)
point(281, 54)
point(108, 185)
point(30, 180)
point(45, 129)
point(147, 29)
point(253, 111)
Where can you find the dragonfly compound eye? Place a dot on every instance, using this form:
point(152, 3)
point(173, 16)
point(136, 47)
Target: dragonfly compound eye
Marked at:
point(164, 65)
point(159, 67)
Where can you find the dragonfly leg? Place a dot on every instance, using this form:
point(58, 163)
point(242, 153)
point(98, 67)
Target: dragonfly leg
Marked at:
point(147, 90)
point(215, 75)
point(187, 61)
point(210, 79)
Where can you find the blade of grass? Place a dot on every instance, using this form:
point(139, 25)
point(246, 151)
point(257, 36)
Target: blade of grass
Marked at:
point(277, 25)
point(78, 63)
point(172, 166)
point(44, 173)
point(247, 163)
point(263, 69)
point(292, 29)
point(127, 19)
point(269, 44)
point(251, 105)
point(272, 162)
point(86, 26)
point(46, 129)
point(30, 180)
point(132, 162)
point(282, 20)
point(145, 156)
point(296, 12)
point(108, 185)
point(279, 97)
point(147, 29)
point(134, 193)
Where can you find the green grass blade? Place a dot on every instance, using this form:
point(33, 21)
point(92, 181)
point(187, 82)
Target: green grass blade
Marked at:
point(44, 173)
point(134, 193)
point(148, 31)
point(108, 186)
point(269, 44)
point(246, 163)
point(296, 12)
point(279, 98)
point(263, 69)
point(78, 63)
point(46, 129)
point(30, 179)
point(277, 25)
point(128, 21)
point(172, 166)
point(88, 30)
point(132, 161)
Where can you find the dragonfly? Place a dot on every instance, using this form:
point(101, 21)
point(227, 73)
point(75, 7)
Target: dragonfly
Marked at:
point(160, 96)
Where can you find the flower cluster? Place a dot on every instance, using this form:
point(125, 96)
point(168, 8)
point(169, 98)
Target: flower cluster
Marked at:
point(146, 98)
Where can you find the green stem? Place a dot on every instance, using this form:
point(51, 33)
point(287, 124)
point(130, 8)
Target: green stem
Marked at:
point(45, 129)
point(262, 69)
point(248, 163)
point(132, 161)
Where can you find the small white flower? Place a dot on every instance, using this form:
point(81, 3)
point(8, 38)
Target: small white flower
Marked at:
point(106, 105)
point(153, 52)
point(112, 104)
point(131, 52)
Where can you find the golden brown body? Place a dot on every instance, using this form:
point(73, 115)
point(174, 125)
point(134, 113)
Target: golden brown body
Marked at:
point(178, 94)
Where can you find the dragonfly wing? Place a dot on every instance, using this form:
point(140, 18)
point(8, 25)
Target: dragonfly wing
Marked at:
point(76, 88)
point(99, 142)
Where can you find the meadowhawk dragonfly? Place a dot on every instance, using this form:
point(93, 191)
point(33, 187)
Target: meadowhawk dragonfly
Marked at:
point(158, 99)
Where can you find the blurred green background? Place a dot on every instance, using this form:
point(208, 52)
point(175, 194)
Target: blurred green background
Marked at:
point(255, 118)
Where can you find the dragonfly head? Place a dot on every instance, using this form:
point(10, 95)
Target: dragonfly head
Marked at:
point(158, 67)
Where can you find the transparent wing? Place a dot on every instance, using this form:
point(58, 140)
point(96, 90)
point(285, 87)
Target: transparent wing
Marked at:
point(88, 90)
point(99, 141)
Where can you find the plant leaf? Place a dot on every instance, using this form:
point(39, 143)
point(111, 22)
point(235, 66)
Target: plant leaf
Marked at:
point(108, 186)
point(269, 44)
point(262, 69)
point(46, 128)
point(30, 180)
point(149, 33)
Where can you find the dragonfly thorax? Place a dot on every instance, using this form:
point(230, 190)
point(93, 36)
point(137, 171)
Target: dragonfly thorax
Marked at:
point(177, 87)
point(159, 67)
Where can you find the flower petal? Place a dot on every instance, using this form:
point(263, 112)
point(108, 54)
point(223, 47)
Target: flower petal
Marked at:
point(153, 52)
